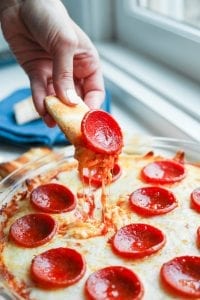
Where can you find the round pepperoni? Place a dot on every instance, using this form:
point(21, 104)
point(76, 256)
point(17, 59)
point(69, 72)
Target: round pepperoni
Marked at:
point(163, 171)
point(95, 179)
point(198, 237)
point(53, 198)
point(151, 201)
point(101, 132)
point(137, 240)
point(182, 276)
point(59, 267)
point(33, 230)
point(195, 199)
point(114, 283)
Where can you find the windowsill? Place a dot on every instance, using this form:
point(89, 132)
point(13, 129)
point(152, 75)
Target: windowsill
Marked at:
point(166, 102)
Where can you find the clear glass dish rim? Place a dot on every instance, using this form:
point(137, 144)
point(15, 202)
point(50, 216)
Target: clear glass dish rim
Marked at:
point(137, 145)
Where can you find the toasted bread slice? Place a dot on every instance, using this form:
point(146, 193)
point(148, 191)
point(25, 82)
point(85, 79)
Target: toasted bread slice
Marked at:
point(67, 117)
point(8, 167)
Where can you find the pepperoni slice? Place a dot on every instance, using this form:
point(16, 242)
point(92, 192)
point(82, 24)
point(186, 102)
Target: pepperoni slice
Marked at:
point(182, 276)
point(163, 171)
point(33, 230)
point(101, 132)
point(137, 240)
point(195, 199)
point(53, 198)
point(114, 283)
point(95, 179)
point(198, 237)
point(151, 201)
point(59, 267)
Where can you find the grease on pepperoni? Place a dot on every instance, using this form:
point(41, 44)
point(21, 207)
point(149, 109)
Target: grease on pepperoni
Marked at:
point(163, 172)
point(58, 267)
point(53, 198)
point(181, 275)
point(151, 201)
point(101, 132)
point(195, 199)
point(114, 283)
point(33, 230)
point(137, 240)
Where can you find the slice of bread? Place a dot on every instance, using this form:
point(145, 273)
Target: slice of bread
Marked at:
point(67, 117)
point(8, 167)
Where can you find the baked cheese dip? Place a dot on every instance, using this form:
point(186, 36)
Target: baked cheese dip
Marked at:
point(136, 237)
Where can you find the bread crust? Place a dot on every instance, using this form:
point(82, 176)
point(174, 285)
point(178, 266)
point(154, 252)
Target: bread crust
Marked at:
point(67, 117)
point(8, 167)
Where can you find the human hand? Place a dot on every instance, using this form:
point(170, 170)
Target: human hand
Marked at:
point(57, 55)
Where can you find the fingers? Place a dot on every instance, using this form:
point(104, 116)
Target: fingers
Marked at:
point(87, 69)
point(94, 99)
point(75, 57)
point(39, 92)
point(63, 80)
point(94, 93)
point(49, 121)
point(41, 86)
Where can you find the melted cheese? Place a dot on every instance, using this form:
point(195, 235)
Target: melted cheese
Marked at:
point(103, 164)
point(77, 229)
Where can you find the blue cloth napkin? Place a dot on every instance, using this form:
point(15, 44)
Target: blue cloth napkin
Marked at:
point(33, 133)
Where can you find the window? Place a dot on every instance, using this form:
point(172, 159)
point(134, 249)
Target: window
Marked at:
point(184, 11)
point(150, 55)
point(166, 30)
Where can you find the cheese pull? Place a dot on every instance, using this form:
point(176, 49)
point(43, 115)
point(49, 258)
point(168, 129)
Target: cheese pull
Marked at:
point(67, 117)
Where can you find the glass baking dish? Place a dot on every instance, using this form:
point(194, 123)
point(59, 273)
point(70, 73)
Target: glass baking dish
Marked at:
point(135, 145)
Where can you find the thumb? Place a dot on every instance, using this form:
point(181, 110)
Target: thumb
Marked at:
point(63, 75)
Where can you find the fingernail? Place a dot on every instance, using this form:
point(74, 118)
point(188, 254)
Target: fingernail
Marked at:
point(72, 96)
